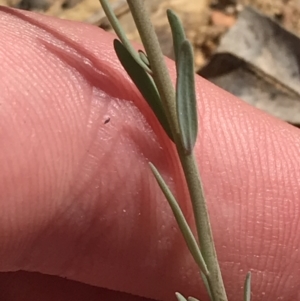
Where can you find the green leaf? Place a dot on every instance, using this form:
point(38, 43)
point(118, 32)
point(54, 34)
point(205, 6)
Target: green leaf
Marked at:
point(186, 97)
point(177, 32)
point(144, 83)
point(181, 221)
point(144, 58)
point(180, 297)
point(247, 287)
point(192, 299)
point(206, 284)
point(114, 22)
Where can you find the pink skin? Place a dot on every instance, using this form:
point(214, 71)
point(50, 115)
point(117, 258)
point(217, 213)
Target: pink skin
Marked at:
point(78, 199)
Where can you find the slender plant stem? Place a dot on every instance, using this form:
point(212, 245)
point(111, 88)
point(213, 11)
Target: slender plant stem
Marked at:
point(166, 89)
point(121, 34)
point(203, 226)
point(160, 71)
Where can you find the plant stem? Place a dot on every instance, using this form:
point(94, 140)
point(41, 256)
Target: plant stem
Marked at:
point(166, 89)
point(158, 65)
point(203, 226)
point(121, 34)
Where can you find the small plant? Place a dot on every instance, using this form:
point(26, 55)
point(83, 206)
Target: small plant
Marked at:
point(175, 108)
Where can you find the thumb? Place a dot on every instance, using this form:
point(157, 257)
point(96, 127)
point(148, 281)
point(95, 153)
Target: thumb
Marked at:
point(78, 199)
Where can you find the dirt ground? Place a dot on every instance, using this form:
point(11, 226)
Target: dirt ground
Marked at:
point(205, 21)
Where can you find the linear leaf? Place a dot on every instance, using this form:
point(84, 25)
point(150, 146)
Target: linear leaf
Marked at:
point(247, 287)
point(177, 32)
point(192, 299)
point(180, 297)
point(186, 97)
point(206, 284)
point(144, 58)
point(144, 83)
point(181, 221)
point(114, 22)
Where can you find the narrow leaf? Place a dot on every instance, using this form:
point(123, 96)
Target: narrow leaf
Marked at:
point(144, 83)
point(186, 97)
point(181, 221)
point(114, 22)
point(180, 297)
point(247, 287)
point(144, 58)
point(206, 284)
point(192, 299)
point(177, 32)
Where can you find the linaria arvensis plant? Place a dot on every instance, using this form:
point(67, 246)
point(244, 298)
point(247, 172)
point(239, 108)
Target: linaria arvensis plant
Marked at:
point(175, 108)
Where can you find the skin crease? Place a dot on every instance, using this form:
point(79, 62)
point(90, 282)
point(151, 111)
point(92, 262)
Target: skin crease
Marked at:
point(79, 201)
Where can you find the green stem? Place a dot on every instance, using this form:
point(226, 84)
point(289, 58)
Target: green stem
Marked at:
point(166, 89)
point(203, 226)
point(158, 65)
point(121, 34)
